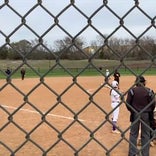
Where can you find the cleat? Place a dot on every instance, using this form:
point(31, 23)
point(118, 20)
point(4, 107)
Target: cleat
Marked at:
point(139, 142)
point(116, 131)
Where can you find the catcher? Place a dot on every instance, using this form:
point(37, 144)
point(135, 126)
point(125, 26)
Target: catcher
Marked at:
point(117, 76)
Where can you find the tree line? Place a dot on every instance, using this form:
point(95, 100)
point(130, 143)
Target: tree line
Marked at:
point(74, 49)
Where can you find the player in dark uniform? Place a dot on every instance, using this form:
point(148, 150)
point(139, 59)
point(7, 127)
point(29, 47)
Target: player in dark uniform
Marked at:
point(141, 104)
point(22, 73)
point(117, 76)
point(8, 71)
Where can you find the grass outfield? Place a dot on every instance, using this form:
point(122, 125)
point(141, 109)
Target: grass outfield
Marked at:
point(42, 68)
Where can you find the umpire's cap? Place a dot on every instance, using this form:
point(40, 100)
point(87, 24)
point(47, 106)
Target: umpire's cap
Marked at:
point(140, 79)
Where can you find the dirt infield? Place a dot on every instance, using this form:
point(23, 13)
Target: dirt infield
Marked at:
point(38, 117)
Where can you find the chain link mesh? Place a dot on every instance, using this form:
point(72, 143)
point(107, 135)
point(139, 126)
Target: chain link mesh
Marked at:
point(59, 97)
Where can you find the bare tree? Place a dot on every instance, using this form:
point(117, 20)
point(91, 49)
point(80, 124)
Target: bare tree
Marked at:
point(69, 47)
point(20, 49)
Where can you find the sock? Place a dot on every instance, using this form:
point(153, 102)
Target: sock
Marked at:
point(114, 125)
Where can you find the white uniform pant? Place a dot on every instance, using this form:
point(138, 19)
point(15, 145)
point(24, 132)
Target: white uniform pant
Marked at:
point(116, 111)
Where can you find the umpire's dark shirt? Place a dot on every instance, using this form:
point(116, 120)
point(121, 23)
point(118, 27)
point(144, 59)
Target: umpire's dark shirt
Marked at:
point(139, 97)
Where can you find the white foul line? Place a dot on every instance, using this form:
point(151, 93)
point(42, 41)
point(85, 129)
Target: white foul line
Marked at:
point(49, 114)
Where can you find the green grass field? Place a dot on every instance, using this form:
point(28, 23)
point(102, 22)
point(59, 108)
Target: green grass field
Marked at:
point(46, 68)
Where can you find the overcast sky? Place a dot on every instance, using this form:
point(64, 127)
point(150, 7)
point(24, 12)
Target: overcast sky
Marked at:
point(73, 21)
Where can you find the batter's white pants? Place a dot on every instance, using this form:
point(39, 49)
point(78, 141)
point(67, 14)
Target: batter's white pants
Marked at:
point(116, 111)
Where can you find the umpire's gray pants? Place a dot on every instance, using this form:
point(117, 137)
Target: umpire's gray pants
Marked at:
point(145, 135)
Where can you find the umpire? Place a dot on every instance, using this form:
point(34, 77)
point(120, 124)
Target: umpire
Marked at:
point(141, 103)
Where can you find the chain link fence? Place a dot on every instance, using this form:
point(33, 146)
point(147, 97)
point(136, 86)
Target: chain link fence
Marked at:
point(9, 116)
